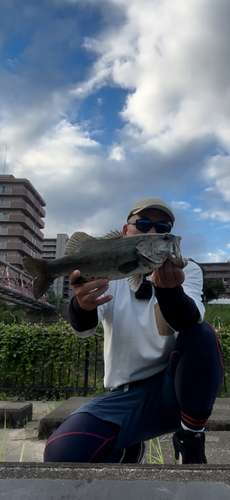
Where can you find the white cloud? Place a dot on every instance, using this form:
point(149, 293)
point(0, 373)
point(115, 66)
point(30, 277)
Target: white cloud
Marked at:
point(220, 215)
point(117, 153)
point(181, 205)
point(218, 172)
point(173, 59)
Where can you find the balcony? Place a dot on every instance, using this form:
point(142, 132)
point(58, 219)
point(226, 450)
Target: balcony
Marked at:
point(18, 246)
point(23, 220)
point(27, 196)
point(22, 206)
point(16, 230)
point(26, 237)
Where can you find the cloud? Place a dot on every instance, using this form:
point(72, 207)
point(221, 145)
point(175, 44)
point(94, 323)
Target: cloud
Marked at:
point(181, 205)
point(172, 139)
point(117, 153)
point(179, 84)
point(220, 215)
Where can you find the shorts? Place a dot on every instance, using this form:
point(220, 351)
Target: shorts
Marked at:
point(143, 409)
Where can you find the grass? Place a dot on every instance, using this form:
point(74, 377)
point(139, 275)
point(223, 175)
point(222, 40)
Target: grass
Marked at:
point(155, 454)
point(3, 445)
point(215, 311)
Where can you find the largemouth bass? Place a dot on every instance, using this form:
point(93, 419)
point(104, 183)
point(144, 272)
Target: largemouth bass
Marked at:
point(112, 256)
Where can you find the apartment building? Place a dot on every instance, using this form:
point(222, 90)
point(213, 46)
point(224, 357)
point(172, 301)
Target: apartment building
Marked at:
point(218, 270)
point(21, 220)
point(54, 248)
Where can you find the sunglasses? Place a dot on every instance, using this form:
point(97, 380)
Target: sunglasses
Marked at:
point(144, 226)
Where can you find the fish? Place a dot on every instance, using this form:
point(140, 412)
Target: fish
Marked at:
point(111, 256)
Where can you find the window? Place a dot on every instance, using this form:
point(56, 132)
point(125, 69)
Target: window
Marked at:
point(4, 216)
point(4, 189)
point(4, 203)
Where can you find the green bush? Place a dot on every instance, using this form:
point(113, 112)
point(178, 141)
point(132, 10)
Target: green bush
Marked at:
point(224, 337)
point(43, 360)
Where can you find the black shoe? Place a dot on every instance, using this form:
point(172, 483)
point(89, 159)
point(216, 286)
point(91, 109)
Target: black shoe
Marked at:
point(189, 447)
point(133, 454)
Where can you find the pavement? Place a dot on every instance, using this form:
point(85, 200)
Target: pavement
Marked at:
point(13, 442)
point(23, 443)
point(23, 475)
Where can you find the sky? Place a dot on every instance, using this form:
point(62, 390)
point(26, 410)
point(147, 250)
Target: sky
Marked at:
point(104, 102)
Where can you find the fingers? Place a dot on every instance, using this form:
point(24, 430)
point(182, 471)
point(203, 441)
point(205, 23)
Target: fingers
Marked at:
point(169, 275)
point(89, 294)
point(74, 276)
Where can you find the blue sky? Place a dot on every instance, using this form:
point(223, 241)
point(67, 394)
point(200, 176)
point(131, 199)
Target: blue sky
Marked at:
point(103, 102)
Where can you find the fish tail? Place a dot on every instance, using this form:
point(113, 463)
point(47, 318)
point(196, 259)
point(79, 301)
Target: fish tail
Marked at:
point(36, 269)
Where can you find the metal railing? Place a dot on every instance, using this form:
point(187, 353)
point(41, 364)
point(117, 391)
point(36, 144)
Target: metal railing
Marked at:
point(81, 374)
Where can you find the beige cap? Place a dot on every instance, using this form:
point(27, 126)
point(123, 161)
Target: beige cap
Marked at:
point(151, 203)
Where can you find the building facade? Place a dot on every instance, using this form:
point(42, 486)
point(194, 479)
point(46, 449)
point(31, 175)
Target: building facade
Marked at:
point(54, 248)
point(218, 270)
point(21, 220)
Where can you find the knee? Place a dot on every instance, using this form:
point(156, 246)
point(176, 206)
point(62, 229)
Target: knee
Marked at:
point(202, 334)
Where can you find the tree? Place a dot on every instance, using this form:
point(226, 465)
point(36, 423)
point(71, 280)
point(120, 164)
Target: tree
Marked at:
point(212, 289)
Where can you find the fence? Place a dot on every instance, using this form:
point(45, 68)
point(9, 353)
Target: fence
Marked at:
point(37, 363)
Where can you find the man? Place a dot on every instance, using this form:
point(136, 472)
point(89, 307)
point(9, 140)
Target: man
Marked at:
point(159, 382)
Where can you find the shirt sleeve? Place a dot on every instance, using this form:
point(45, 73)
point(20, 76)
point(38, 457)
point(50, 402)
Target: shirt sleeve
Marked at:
point(83, 322)
point(182, 306)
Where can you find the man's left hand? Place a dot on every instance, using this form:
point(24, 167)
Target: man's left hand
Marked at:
point(169, 275)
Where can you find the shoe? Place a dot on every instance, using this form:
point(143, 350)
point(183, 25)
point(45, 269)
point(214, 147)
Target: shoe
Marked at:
point(133, 454)
point(189, 447)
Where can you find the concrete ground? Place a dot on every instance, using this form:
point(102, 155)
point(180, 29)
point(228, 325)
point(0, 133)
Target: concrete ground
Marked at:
point(15, 442)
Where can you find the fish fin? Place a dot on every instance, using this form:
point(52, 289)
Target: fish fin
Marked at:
point(76, 241)
point(35, 268)
point(128, 267)
point(79, 238)
point(135, 282)
point(111, 235)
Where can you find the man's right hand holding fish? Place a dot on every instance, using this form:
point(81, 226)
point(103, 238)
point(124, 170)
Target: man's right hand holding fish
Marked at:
point(163, 367)
point(90, 295)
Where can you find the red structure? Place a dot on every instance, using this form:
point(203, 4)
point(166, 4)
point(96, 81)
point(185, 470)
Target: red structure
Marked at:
point(16, 287)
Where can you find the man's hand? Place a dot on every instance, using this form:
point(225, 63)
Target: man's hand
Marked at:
point(88, 294)
point(169, 275)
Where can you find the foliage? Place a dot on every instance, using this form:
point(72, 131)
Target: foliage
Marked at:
point(212, 289)
point(9, 313)
point(224, 338)
point(50, 359)
point(217, 313)
point(54, 299)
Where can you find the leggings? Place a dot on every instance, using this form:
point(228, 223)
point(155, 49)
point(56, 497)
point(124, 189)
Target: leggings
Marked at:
point(196, 368)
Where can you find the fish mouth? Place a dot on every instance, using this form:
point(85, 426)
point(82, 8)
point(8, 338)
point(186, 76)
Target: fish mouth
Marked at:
point(175, 255)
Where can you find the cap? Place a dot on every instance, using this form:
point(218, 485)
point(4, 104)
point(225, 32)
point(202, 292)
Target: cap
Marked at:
point(151, 203)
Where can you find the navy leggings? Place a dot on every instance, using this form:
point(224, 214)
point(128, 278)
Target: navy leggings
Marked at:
point(195, 366)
